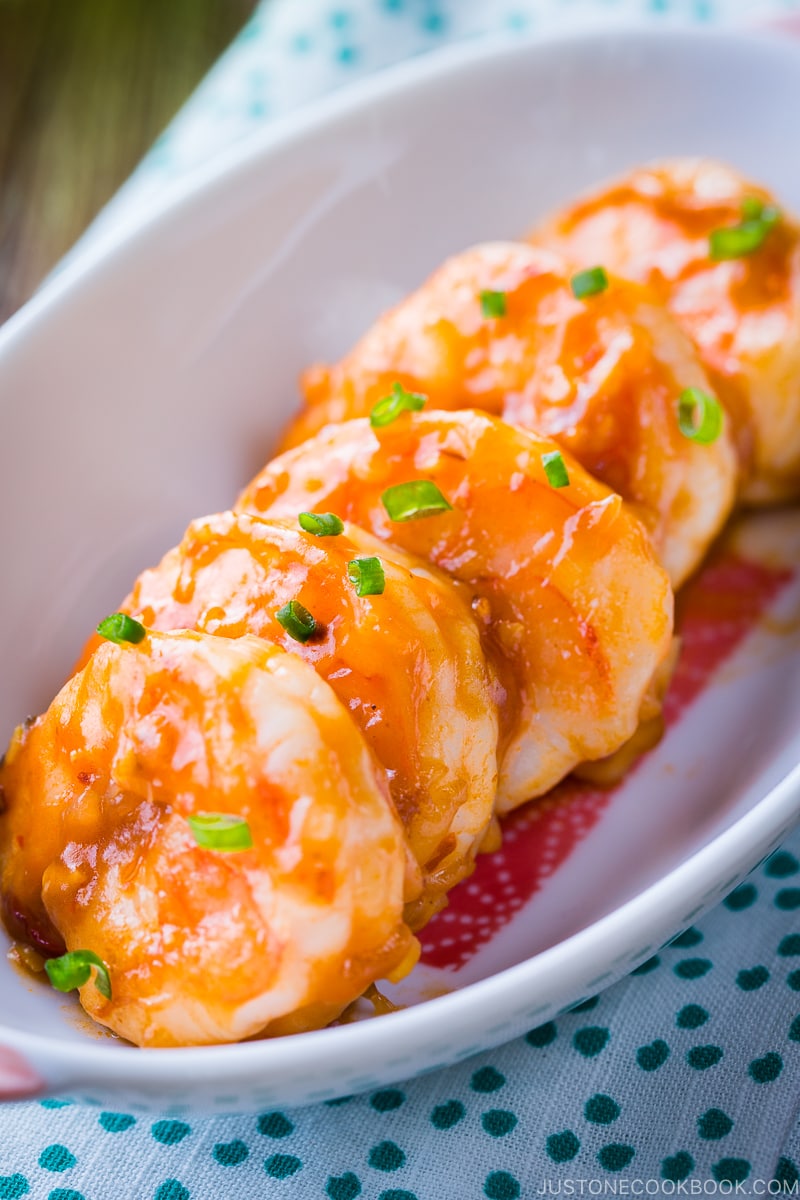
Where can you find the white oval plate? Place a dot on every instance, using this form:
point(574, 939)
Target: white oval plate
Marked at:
point(143, 386)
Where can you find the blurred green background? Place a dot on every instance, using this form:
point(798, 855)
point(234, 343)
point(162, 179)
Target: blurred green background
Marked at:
point(86, 86)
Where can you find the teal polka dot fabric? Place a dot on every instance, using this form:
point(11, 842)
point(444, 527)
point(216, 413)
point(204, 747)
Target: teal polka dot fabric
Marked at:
point(684, 1075)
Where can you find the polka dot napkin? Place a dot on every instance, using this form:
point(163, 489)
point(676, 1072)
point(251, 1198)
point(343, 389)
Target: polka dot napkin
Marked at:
point(682, 1079)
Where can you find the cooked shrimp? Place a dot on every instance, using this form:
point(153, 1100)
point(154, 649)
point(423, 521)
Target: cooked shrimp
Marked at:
point(204, 945)
point(657, 225)
point(577, 612)
point(601, 376)
point(407, 664)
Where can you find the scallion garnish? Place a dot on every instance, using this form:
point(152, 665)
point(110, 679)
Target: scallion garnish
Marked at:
point(220, 831)
point(321, 524)
point(751, 208)
point(493, 304)
point(589, 283)
point(418, 498)
point(737, 241)
point(297, 621)
point(700, 415)
point(366, 574)
point(119, 627)
point(390, 407)
point(72, 971)
point(555, 469)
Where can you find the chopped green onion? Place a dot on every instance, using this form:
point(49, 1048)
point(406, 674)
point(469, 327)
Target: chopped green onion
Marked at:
point(297, 621)
point(736, 241)
point(119, 627)
point(220, 831)
point(366, 574)
point(73, 970)
point(419, 498)
point(589, 283)
point(321, 524)
point(493, 304)
point(390, 407)
point(699, 416)
point(555, 469)
point(751, 208)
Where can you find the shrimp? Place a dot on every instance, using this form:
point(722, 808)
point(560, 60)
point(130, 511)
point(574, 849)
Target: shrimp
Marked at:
point(577, 612)
point(203, 945)
point(407, 663)
point(655, 225)
point(602, 376)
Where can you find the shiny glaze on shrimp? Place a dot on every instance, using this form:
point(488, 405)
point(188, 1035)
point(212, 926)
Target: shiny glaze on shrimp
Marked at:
point(601, 376)
point(203, 945)
point(577, 613)
point(408, 664)
point(743, 314)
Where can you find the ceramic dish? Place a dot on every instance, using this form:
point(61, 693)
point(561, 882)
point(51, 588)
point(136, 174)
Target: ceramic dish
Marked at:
point(144, 385)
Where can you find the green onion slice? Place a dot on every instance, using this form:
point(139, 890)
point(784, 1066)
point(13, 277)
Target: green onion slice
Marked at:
point(493, 304)
point(220, 831)
point(297, 621)
point(366, 574)
point(700, 416)
point(119, 627)
point(418, 498)
point(72, 971)
point(555, 469)
point(390, 407)
point(321, 524)
point(589, 283)
point(737, 241)
point(751, 208)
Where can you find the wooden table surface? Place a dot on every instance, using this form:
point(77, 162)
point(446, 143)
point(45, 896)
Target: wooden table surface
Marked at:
point(86, 86)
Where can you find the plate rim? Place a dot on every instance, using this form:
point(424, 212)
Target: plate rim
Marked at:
point(103, 249)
